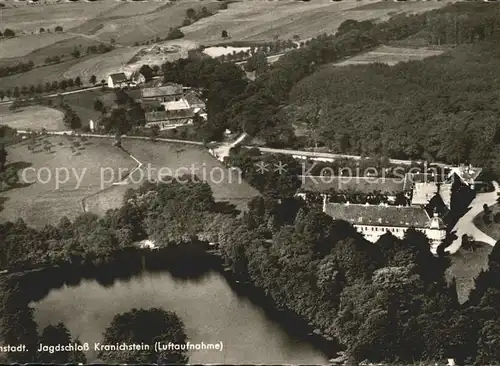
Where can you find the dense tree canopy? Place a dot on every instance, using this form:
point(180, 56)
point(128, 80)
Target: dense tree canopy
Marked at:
point(140, 326)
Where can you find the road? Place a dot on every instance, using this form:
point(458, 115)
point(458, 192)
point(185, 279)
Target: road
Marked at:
point(320, 156)
point(60, 133)
point(466, 225)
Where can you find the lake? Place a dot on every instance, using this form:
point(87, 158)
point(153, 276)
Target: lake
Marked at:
point(211, 310)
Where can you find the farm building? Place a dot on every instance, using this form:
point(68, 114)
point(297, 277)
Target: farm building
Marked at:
point(161, 94)
point(118, 80)
point(169, 118)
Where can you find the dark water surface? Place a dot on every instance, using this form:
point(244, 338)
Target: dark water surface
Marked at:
point(210, 308)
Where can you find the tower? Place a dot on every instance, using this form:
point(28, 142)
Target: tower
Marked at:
point(436, 232)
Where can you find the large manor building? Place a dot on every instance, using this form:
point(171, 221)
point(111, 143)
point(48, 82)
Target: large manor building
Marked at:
point(375, 220)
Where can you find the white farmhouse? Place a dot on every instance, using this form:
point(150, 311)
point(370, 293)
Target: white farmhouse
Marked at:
point(118, 80)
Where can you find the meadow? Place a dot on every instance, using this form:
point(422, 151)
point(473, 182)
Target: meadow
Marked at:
point(40, 204)
point(177, 159)
point(266, 20)
point(32, 117)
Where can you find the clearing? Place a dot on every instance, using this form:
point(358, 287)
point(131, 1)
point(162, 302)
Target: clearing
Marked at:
point(40, 204)
point(33, 117)
point(102, 65)
point(160, 53)
point(466, 266)
point(391, 55)
point(177, 159)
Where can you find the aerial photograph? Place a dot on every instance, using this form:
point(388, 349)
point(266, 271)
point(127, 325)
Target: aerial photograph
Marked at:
point(268, 182)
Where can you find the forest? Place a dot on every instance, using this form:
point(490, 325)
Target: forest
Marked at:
point(387, 301)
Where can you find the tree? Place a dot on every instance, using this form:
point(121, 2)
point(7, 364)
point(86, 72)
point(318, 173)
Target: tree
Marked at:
point(58, 335)
point(191, 13)
point(78, 81)
point(224, 34)
point(58, 28)
point(98, 105)
point(3, 156)
point(9, 33)
point(147, 72)
point(76, 52)
point(63, 84)
point(145, 326)
point(42, 30)
point(93, 79)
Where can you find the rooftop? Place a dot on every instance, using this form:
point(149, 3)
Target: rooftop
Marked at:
point(353, 184)
point(423, 192)
point(467, 174)
point(118, 77)
point(193, 99)
point(161, 91)
point(169, 115)
point(179, 104)
point(378, 215)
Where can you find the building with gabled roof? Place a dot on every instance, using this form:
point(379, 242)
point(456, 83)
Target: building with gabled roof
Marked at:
point(373, 221)
point(159, 94)
point(170, 118)
point(118, 80)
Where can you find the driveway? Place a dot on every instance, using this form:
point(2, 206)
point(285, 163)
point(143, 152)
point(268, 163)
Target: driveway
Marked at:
point(466, 226)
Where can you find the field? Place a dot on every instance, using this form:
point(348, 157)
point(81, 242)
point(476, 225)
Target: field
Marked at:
point(129, 23)
point(176, 159)
point(40, 204)
point(32, 117)
point(40, 75)
point(465, 266)
point(62, 48)
point(265, 20)
point(30, 18)
point(391, 55)
point(128, 27)
point(99, 65)
point(102, 65)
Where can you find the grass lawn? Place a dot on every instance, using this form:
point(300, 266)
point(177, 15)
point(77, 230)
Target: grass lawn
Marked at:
point(465, 266)
point(32, 117)
point(40, 204)
point(493, 230)
point(175, 157)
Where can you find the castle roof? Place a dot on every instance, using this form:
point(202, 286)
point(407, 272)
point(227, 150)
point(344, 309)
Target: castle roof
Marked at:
point(353, 184)
point(378, 215)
